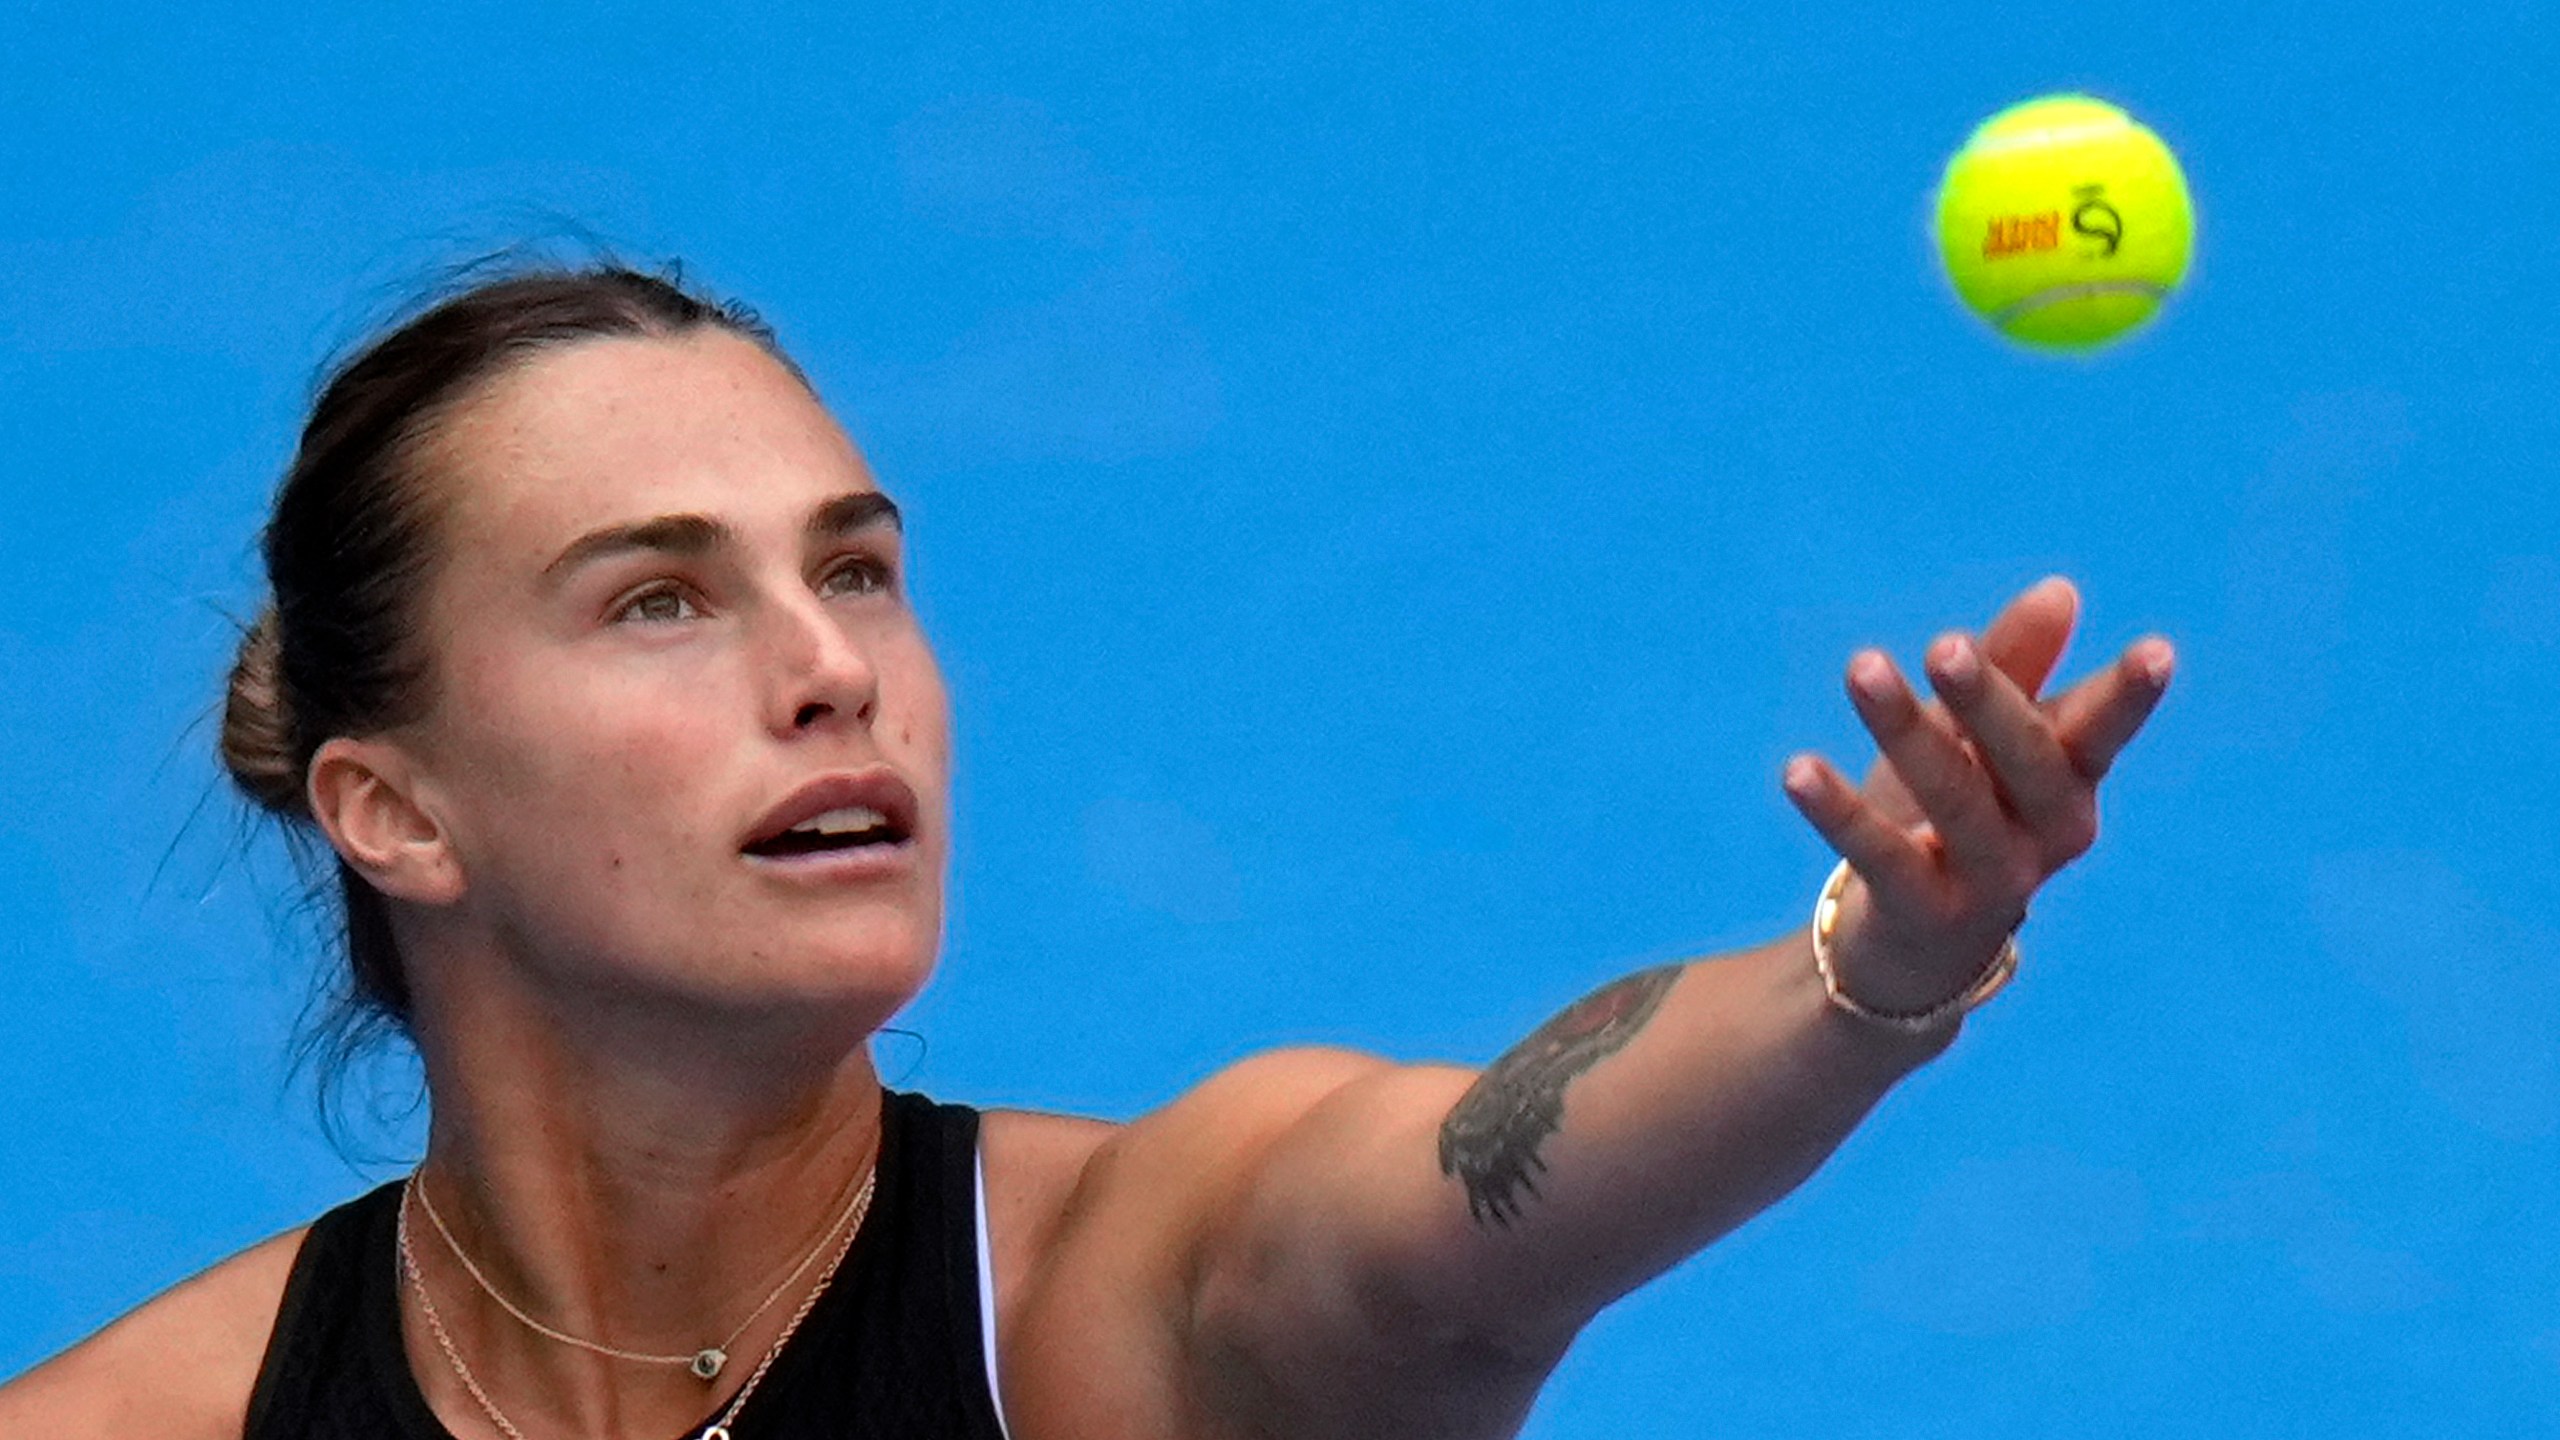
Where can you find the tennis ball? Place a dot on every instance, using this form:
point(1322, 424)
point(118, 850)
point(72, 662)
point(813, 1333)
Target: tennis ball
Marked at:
point(2064, 222)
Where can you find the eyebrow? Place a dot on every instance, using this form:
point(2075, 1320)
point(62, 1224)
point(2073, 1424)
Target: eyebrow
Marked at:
point(692, 535)
point(858, 511)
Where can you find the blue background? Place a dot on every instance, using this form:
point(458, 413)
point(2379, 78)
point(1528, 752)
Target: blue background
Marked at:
point(1390, 485)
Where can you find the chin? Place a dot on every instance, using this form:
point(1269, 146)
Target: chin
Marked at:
point(875, 974)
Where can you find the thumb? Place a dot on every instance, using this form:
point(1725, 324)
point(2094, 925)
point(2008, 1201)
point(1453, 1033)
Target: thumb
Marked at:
point(2027, 638)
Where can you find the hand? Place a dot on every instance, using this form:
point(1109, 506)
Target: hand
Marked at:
point(1976, 800)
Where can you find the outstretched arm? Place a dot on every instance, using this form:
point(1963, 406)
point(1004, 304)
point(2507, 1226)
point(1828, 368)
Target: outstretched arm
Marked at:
point(1445, 1234)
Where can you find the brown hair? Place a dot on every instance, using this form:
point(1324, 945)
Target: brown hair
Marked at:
point(351, 546)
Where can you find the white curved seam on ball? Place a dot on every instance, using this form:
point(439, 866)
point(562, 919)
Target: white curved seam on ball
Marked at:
point(2090, 290)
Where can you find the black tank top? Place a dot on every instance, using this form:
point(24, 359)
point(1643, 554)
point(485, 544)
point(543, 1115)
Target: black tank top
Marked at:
point(893, 1348)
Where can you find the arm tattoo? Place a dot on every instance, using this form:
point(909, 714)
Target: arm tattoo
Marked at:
point(1490, 1140)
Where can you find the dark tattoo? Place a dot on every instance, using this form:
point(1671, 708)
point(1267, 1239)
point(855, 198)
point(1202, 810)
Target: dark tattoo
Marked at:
point(1490, 1140)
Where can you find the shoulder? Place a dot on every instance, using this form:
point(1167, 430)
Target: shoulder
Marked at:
point(1052, 1157)
point(1050, 1178)
point(180, 1366)
point(1098, 1233)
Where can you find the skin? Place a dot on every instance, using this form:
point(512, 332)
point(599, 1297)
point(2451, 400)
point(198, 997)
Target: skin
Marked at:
point(635, 1034)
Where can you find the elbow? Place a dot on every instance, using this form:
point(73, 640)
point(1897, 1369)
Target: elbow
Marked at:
point(1310, 1348)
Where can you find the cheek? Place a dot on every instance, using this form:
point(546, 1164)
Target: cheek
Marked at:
point(642, 773)
point(587, 777)
point(920, 723)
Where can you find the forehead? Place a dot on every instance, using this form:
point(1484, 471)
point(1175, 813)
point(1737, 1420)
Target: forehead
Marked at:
point(611, 431)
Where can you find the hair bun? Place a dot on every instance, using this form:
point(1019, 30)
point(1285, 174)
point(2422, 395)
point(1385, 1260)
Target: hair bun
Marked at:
point(257, 726)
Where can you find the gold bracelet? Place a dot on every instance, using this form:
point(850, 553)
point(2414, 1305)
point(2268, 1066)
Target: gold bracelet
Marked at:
point(1826, 918)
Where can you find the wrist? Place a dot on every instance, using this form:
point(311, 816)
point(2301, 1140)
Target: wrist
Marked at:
point(1905, 982)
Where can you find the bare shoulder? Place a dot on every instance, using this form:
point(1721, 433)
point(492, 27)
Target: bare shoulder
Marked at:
point(1066, 1173)
point(1105, 1225)
point(1049, 1175)
point(181, 1365)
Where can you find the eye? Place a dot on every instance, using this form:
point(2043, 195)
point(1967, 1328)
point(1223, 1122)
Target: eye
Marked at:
point(857, 575)
point(662, 606)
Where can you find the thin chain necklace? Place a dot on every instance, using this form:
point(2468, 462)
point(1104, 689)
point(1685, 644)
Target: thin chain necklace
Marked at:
point(705, 1363)
point(718, 1429)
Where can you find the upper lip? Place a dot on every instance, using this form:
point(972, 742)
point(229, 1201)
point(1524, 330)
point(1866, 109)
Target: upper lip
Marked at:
point(877, 787)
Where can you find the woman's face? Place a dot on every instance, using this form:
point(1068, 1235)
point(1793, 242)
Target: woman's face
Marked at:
point(689, 742)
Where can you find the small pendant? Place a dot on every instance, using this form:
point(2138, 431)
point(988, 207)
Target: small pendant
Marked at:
point(706, 1364)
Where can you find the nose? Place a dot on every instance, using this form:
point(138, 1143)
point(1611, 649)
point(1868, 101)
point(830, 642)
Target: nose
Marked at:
point(820, 674)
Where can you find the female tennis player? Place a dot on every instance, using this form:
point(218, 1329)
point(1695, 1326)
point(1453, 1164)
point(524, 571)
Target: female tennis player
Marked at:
point(590, 660)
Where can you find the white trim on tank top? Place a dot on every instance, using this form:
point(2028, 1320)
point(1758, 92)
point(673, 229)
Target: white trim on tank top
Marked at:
point(987, 1298)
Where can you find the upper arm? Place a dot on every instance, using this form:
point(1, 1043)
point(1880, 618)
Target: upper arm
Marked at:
point(180, 1366)
point(1226, 1266)
point(1346, 1289)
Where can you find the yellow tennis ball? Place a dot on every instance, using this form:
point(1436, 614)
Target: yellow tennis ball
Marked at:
point(2064, 222)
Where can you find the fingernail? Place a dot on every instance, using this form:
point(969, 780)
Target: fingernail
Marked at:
point(1802, 777)
point(1871, 676)
point(1957, 663)
point(2157, 661)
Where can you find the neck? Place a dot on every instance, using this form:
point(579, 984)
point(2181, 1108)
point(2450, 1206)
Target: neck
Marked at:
point(637, 1179)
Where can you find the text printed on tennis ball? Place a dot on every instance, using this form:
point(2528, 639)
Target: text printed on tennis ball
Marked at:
point(2093, 218)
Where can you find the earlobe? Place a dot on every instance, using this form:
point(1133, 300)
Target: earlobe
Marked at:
point(365, 796)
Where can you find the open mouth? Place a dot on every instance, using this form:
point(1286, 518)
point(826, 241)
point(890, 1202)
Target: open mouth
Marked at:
point(847, 827)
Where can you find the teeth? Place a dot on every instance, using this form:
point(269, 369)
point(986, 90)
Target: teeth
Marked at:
point(850, 819)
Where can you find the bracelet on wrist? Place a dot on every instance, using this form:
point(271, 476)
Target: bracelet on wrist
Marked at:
point(1826, 918)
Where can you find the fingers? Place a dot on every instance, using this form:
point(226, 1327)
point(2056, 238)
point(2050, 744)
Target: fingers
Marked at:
point(2026, 639)
point(1978, 798)
point(1929, 754)
point(2010, 786)
point(2015, 741)
point(2098, 717)
point(1882, 850)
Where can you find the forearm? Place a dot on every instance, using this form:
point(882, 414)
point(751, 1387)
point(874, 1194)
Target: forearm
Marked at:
point(1425, 1221)
point(1653, 1116)
point(1498, 1212)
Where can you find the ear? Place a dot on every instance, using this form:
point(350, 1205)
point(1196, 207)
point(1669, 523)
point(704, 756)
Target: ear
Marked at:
point(365, 794)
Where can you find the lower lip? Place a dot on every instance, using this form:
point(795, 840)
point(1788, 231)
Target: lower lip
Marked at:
point(851, 865)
